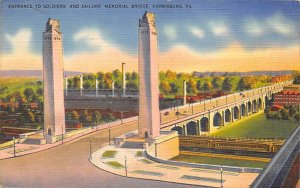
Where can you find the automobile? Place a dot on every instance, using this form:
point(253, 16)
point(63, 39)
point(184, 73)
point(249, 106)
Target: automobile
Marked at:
point(177, 113)
point(166, 113)
point(185, 112)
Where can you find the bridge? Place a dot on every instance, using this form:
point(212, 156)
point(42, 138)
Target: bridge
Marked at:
point(208, 116)
point(192, 119)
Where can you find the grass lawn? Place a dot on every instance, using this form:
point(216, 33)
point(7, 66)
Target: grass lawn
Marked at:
point(219, 161)
point(109, 154)
point(115, 164)
point(257, 126)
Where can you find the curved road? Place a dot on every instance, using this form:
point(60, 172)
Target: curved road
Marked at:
point(68, 166)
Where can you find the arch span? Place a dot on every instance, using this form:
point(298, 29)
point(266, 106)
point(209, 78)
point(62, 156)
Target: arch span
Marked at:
point(204, 123)
point(227, 116)
point(249, 107)
point(178, 129)
point(243, 110)
point(217, 121)
point(236, 113)
point(191, 128)
point(254, 104)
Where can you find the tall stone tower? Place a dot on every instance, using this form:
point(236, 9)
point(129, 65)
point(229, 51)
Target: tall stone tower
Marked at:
point(54, 110)
point(149, 122)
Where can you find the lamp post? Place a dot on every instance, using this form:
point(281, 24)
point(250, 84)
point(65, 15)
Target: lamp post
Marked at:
point(221, 176)
point(14, 146)
point(125, 165)
point(192, 108)
point(62, 134)
point(90, 148)
point(121, 117)
point(109, 135)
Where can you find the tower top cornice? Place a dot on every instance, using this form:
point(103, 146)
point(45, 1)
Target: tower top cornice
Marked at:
point(147, 19)
point(53, 24)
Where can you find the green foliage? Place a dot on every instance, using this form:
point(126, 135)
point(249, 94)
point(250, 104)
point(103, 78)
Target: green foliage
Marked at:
point(257, 126)
point(217, 83)
point(109, 154)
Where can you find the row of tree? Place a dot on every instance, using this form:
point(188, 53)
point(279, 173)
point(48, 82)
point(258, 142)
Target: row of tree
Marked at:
point(287, 113)
point(86, 118)
point(171, 82)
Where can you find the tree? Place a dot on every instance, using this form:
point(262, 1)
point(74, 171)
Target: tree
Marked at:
point(108, 117)
point(174, 87)
point(297, 79)
point(74, 115)
point(85, 117)
point(207, 86)
point(165, 87)
point(96, 117)
point(127, 76)
point(297, 117)
point(40, 91)
point(191, 86)
point(230, 83)
point(134, 75)
point(217, 83)
point(198, 85)
point(76, 82)
point(29, 116)
point(100, 76)
point(117, 75)
point(285, 114)
point(28, 92)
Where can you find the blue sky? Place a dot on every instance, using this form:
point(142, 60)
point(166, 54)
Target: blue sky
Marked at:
point(207, 27)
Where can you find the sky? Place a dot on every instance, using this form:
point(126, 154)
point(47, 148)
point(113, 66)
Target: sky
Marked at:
point(211, 35)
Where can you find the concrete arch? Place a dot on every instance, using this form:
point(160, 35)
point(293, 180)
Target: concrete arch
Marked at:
point(243, 110)
point(249, 109)
point(191, 128)
point(217, 120)
point(228, 116)
point(260, 105)
point(254, 106)
point(204, 124)
point(178, 129)
point(236, 113)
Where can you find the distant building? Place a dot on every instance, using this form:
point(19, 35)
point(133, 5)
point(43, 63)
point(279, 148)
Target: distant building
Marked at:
point(293, 87)
point(287, 98)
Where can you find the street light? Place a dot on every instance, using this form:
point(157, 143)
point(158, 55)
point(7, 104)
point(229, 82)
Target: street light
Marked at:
point(221, 176)
point(192, 108)
point(121, 117)
point(125, 165)
point(62, 134)
point(91, 148)
point(14, 146)
point(109, 135)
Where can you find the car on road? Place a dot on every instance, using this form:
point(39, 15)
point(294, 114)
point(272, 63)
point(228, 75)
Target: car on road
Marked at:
point(166, 113)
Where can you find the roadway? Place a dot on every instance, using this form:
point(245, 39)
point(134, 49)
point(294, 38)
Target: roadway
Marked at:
point(68, 166)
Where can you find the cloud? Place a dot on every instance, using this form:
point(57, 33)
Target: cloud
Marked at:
point(197, 32)
point(219, 28)
point(106, 57)
point(232, 58)
point(170, 32)
point(92, 37)
point(20, 41)
point(20, 56)
point(254, 27)
point(280, 24)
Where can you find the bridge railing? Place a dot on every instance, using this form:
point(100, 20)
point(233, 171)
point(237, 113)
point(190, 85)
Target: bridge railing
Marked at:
point(276, 172)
